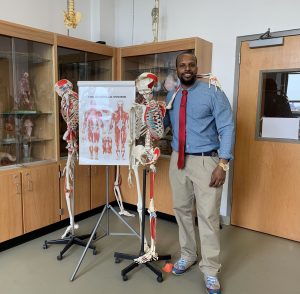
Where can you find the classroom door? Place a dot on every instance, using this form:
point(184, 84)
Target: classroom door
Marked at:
point(266, 175)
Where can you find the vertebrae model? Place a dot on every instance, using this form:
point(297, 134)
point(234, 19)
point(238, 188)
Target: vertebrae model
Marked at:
point(147, 121)
point(69, 112)
point(71, 18)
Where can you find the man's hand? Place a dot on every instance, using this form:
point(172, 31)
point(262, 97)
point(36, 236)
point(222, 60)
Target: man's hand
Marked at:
point(218, 177)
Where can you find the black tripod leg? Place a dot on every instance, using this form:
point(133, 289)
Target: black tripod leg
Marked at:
point(128, 269)
point(155, 270)
point(119, 255)
point(164, 257)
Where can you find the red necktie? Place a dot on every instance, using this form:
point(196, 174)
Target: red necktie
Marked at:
point(181, 135)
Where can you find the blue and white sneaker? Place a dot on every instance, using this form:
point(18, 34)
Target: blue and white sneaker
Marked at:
point(181, 266)
point(212, 285)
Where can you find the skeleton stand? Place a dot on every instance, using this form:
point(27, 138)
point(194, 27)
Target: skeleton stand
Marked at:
point(118, 256)
point(106, 209)
point(70, 239)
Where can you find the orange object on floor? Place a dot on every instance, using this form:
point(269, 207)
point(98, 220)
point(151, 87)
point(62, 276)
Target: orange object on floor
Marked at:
point(168, 267)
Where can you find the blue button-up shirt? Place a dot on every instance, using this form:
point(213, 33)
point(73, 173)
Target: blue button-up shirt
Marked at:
point(209, 120)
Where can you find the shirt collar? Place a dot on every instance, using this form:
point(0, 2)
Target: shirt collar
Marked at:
point(191, 87)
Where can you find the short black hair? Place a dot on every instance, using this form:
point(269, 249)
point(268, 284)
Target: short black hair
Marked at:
point(185, 53)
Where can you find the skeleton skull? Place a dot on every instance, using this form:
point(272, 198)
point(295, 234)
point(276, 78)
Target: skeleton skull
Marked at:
point(145, 83)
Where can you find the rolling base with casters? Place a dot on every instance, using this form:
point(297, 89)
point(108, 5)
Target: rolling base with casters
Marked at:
point(70, 240)
point(118, 256)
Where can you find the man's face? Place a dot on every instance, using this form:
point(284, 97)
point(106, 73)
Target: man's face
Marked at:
point(187, 69)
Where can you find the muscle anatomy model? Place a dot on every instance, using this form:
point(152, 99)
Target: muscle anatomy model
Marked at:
point(92, 123)
point(69, 112)
point(119, 122)
point(148, 122)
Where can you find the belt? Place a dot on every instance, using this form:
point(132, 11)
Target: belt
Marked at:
point(212, 153)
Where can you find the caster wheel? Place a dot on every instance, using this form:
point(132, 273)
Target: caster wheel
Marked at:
point(125, 278)
point(117, 260)
point(95, 252)
point(59, 257)
point(159, 279)
point(45, 246)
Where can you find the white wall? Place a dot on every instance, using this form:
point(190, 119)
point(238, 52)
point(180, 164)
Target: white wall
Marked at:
point(219, 22)
point(48, 15)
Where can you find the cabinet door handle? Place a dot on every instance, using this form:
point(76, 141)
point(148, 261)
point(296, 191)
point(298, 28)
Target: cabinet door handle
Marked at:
point(29, 182)
point(16, 179)
point(95, 170)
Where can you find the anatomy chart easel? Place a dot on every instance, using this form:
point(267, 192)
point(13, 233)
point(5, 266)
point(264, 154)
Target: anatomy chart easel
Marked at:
point(103, 131)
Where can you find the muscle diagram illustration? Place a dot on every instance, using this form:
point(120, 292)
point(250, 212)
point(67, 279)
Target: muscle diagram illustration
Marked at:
point(120, 124)
point(92, 126)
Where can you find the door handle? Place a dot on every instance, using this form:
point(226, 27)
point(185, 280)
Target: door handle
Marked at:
point(16, 180)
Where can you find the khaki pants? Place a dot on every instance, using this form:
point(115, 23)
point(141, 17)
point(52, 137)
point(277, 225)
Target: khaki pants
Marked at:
point(191, 185)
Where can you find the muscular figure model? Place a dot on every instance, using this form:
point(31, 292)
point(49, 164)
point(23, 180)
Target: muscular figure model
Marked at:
point(119, 121)
point(93, 123)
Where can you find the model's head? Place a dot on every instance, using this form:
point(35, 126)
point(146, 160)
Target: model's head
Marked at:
point(120, 105)
point(186, 67)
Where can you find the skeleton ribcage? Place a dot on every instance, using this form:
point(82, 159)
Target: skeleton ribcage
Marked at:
point(154, 120)
point(69, 109)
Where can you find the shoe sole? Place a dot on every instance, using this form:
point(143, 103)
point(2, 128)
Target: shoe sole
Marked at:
point(185, 270)
point(209, 293)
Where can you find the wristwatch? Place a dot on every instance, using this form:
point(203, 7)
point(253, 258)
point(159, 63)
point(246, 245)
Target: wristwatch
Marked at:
point(225, 166)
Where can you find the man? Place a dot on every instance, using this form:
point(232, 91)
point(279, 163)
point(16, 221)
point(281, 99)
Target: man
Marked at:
point(203, 131)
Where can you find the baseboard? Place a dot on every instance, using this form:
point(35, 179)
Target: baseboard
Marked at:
point(46, 230)
point(225, 220)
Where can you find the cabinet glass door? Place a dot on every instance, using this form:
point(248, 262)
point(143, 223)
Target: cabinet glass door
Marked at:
point(26, 105)
point(164, 67)
point(76, 65)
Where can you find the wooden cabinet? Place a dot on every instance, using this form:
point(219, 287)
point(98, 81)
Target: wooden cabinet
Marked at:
point(11, 224)
point(159, 58)
point(40, 194)
point(82, 200)
point(29, 199)
point(98, 185)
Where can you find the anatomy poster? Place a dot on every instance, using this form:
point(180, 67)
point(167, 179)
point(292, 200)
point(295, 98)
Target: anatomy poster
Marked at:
point(104, 133)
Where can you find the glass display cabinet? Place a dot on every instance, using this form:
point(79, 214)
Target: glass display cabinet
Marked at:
point(27, 128)
point(80, 60)
point(160, 58)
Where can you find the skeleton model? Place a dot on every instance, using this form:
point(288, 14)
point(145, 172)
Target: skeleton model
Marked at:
point(155, 20)
point(71, 18)
point(92, 122)
point(149, 123)
point(28, 126)
point(119, 122)
point(69, 112)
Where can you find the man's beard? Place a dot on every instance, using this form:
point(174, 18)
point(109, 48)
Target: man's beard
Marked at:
point(189, 82)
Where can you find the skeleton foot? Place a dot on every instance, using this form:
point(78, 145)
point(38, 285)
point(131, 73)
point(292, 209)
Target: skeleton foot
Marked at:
point(126, 213)
point(69, 230)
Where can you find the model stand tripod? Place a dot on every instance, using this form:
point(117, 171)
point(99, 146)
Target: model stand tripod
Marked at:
point(70, 239)
point(118, 256)
point(106, 209)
